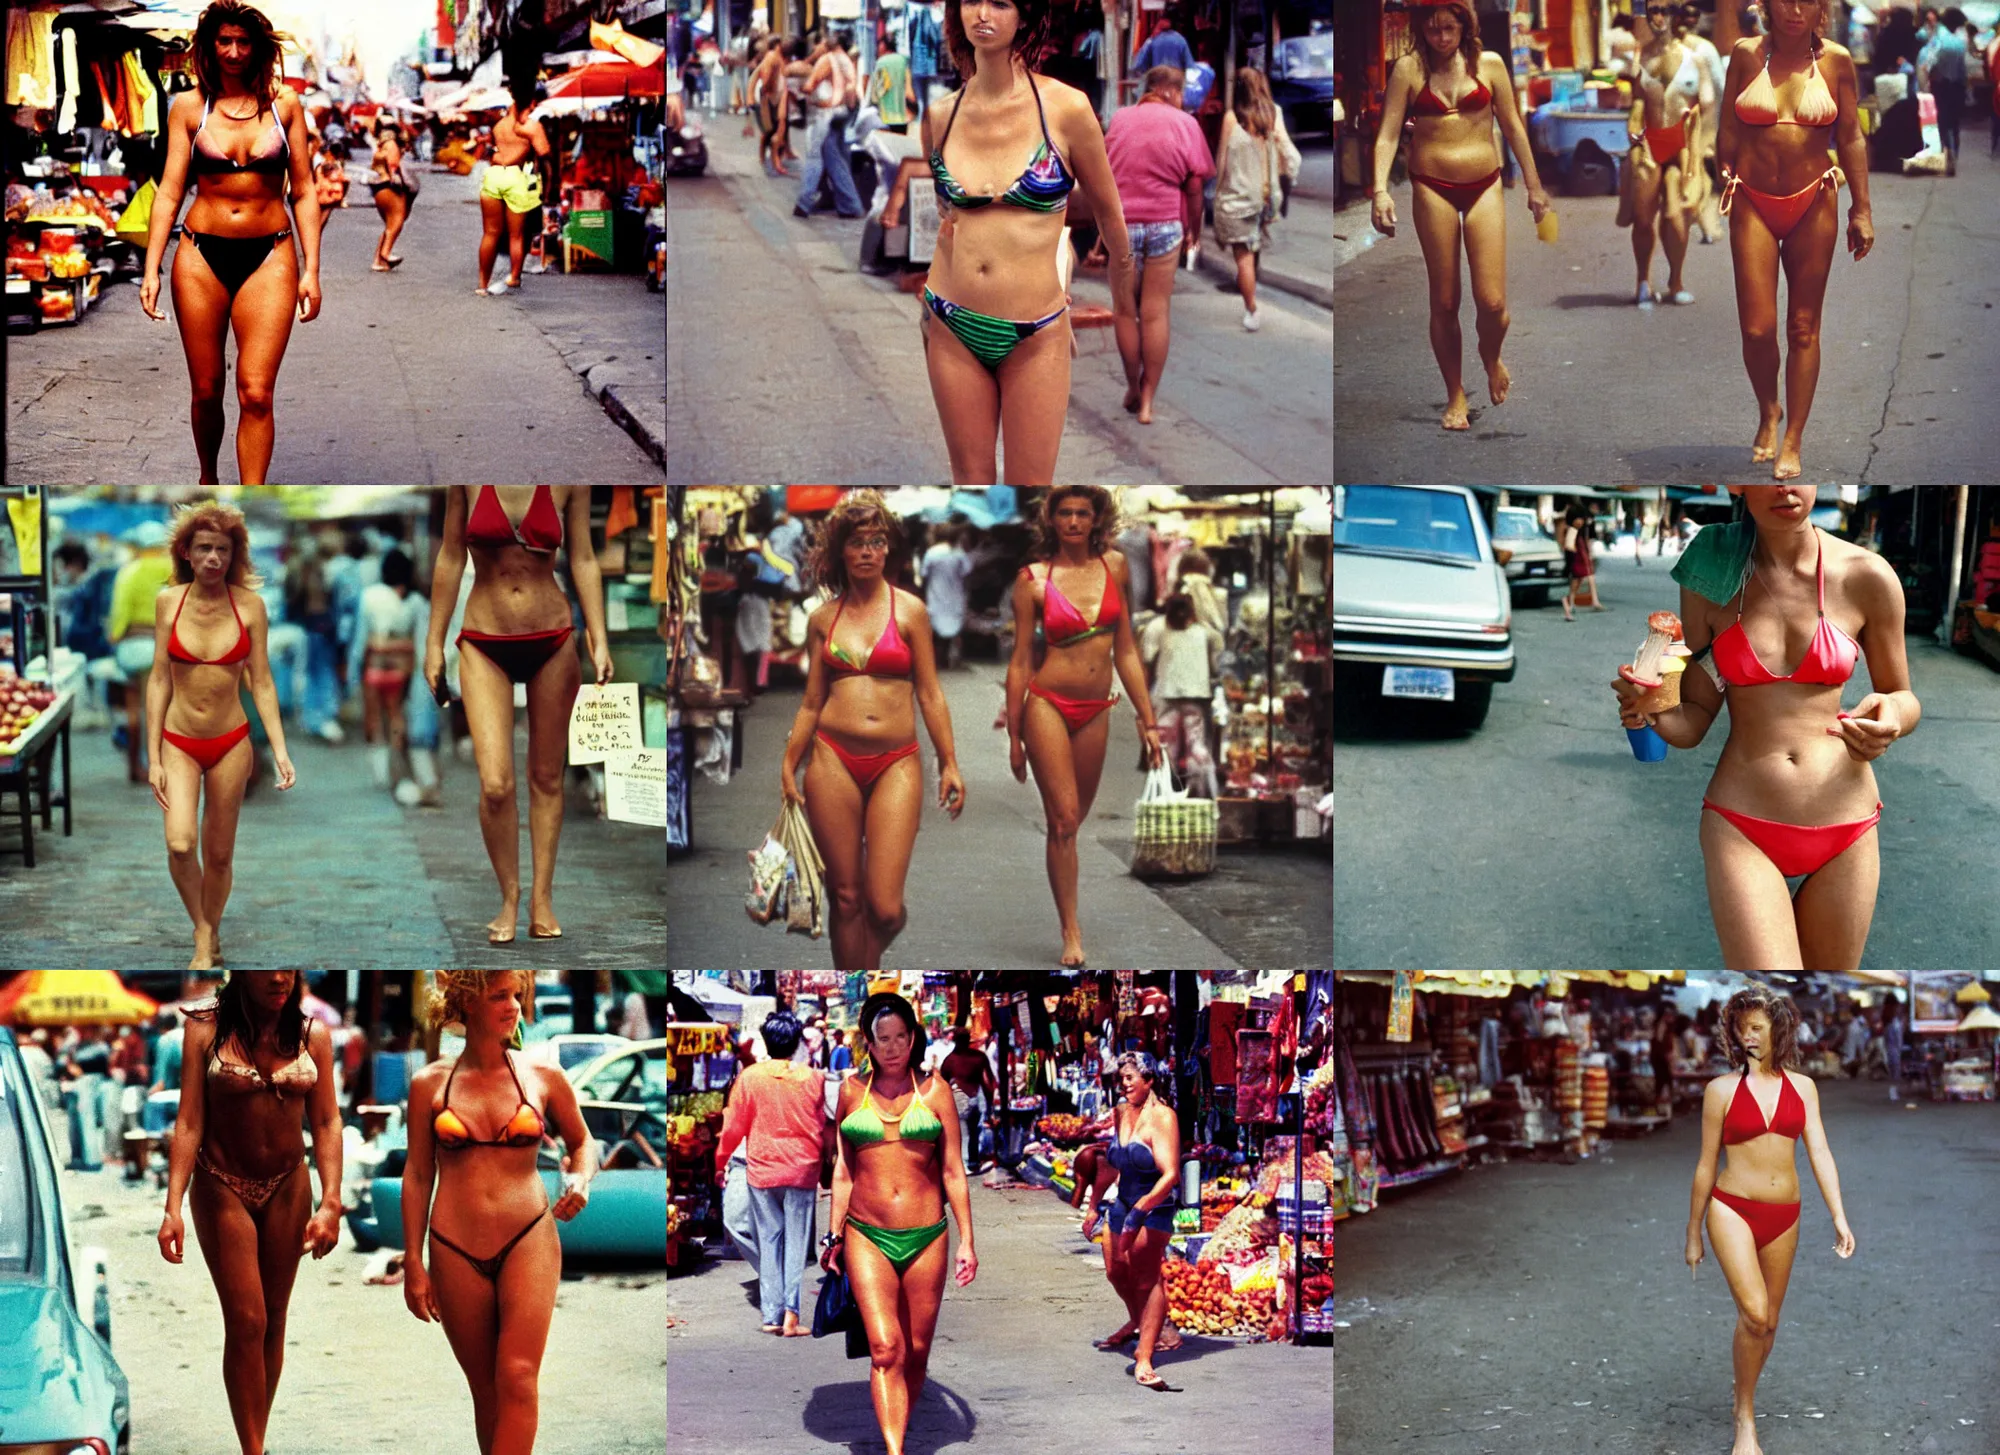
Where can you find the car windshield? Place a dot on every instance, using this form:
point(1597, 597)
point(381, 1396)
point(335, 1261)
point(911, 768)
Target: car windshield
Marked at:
point(19, 1218)
point(636, 1078)
point(575, 1053)
point(1307, 55)
point(1515, 524)
point(1397, 520)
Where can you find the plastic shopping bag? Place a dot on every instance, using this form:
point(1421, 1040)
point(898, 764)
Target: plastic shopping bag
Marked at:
point(767, 879)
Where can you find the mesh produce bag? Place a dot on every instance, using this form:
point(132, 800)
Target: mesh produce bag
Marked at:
point(1172, 835)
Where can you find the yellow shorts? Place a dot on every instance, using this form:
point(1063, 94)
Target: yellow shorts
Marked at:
point(519, 187)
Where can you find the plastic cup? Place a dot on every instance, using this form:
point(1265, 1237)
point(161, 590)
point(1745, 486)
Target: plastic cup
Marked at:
point(1547, 228)
point(1647, 745)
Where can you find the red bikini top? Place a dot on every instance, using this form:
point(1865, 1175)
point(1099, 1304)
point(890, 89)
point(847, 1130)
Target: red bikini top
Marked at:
point(1429, 103)
point(1828, 662)
point(239, 652)
point(541, 529)
point(889, 657)
point(1063, 625)
point(1742, 1122)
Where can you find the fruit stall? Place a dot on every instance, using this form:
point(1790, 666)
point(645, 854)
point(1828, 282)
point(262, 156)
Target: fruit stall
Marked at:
point(703, 1064)
point(34, 713)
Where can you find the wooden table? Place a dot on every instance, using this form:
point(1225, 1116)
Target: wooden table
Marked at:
point(28, 767)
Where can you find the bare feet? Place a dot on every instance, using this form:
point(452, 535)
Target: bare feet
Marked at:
point(542, 922)
point(1746, 1437)
point(500, 929)
point(1787, 464)
point(1072, 951)
point(1458, 413)
point(1131, 398)
point(1145, 411)
point(204, 950)
point(1125, 1333)
point(791, 1329)
point(1498, 381)
point(1765, 446)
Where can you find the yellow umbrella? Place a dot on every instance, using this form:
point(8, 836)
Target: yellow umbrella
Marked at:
point(1973, 991)
point(73, 998)
point(1980, 1018)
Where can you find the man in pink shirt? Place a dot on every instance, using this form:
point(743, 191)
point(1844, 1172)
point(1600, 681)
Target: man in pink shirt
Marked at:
point(778, 1110)
point(1159, 160)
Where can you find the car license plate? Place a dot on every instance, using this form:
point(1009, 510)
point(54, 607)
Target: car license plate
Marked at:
point(1433, 684)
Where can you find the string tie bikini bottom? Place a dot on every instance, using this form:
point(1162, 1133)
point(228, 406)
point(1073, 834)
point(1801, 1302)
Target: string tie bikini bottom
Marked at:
point(1797, 848)
point(254, 1192)
point(1077, 712)
point(867, 767)
point(209, 751)
point(520, 655)
point(234, 259)
point(489, 1268)
point(1768, 1221)
point(901, 1246)
point(1781, 214)
point(990, 339)
point(1459, 194)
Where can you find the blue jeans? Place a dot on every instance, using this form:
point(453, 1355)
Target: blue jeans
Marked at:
point(783, 1218)
point(322, 704)
point(86, 1123)
point(826, 157)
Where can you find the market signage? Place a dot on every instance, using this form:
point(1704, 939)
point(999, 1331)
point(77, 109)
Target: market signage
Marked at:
point(635, 786)
point(604, 720)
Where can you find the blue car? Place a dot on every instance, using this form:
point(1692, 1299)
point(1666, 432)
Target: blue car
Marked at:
point(61, 1389)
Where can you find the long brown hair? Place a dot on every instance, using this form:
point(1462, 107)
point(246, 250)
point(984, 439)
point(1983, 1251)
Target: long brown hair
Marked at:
point(1784, 1026)
point(223, 520)
point(1046, 542)
point(262, 72)
point(826, 565)
point(1468, 35)
point(1255, 112)
point(1029, 40)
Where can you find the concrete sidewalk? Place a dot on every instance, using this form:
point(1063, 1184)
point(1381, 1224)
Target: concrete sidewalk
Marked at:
point(1300, 258)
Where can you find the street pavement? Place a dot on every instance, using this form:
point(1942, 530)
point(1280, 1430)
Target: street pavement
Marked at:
point(362, 1375)
point(788, 364)
point(405, 378)
point(1603, 391)
point(1539, 841)
point(331, 872)
point(978, 894)
point(1011, 1370)
point(1538, 1307)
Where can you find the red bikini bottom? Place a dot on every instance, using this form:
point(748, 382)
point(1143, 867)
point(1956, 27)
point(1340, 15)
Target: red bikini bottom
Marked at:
point(1459, 194)
point(1797, 848)
point(1768, 1221)
point(1666, 142)
point(1077, 712)
point(867, 767)
point(1781, 214)
point(209, 751)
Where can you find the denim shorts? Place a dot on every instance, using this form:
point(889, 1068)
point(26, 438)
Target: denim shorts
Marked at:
point(1154, 239)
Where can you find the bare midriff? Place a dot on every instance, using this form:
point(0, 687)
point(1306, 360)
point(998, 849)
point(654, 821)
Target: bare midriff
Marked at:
point(1458, 147)
point(897, 1184)
point(236, 204)
point(868, 715)
point(1785, 158)
point(1765, 1168)
point(207, 700)
point(247, 1131)
point(999, 259)
point(514, 592)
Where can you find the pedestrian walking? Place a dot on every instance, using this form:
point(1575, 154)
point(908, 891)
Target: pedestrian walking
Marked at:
point(833, 94)
point(1854, 1045)
point(768, 99)
point(1146, 1151)
point(511, 189)
point(309, 605)
point(1159, 162)
point(1756, 1237)
point(1181, 655)
point(1165, 47)
point(129, 627)
point(800, 58)
point(194, 707)
point(942, 573)
point(1193, 575)
point(330, 180)
point(973, 1089)
point(1663, 182)
point(1892, 1046)
point(242, 137)
point(1574, 539)
point(389, 611)
point(518, 620)
point(388, 181)
point(892, 91)
point(1941, 71)
point(1454, 162)
point(888, 1221)
point(256, 1070)
point(1255, 165)
point(90, 1068)
point(496, 1308)
point(777, 1110)
point(1763, 154)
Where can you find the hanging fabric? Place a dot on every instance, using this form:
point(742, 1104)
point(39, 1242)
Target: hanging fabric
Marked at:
point(66, 117)
point(31, 59)
point(145, 97)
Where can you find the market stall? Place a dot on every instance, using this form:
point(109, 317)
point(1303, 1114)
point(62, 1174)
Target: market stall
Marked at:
point(35, 704)
point(701, 1064)
point(606, 121)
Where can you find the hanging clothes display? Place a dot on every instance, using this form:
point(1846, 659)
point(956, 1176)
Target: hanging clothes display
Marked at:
point(31, 58)
point(66, 117)
point(143, 99)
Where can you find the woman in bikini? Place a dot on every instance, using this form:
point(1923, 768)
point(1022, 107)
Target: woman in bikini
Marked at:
point(1759, 1111)
point(511, 189)
point(870, 670)
point(243, 137)
point(1057, 716)
point(1793, 792)
point(1146, 1151)
point(218, 637)
point(996, 337)
point(476, 1129)
point(392, 193)
point(518, 626)
point(1664, 178)
point(251, 1065)
point(1791, 96)
point(898, 1167)
point(1454, 166)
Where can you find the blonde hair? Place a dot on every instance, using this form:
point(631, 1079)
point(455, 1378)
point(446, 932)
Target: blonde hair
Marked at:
point(224, 520)
point(451, 993)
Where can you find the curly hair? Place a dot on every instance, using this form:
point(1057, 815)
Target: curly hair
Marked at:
point(1468, 35)
point(1101, 501)
point(223, 520)
point(1030, 40)
point(262, 72)
point(451, 994)
point(1784, 1026)
point(826, 564)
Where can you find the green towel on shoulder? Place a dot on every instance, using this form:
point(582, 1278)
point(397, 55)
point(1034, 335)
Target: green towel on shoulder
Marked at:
point(1717, 559)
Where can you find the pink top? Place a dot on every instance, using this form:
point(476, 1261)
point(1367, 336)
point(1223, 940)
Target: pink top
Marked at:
point(1154, 149)
point(780, 1107)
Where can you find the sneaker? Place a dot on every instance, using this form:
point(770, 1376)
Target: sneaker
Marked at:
point(331, 733)
point(1251, 322)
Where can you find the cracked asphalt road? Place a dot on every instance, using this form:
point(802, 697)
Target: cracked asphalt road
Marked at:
point(1606, 393)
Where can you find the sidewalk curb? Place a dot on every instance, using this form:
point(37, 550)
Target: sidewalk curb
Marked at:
point(1222, 268)
point(652, 441)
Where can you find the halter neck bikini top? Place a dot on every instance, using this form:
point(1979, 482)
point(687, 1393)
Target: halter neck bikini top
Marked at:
point(1429, 103)
point(1829, 660)
point(864, 1125)
point(889, 657)
point(179, 653)
point(1741, 1123)
point(1063, 625)
point(1043, 187)
point(296, 1077)
point(524, 1128)
point(271, 152)
point(541, 529)
point(1757, 103)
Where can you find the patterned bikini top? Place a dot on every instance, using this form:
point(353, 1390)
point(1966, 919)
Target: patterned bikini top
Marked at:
point(524, 1128)
point(295, 1078)
point(1044, 187)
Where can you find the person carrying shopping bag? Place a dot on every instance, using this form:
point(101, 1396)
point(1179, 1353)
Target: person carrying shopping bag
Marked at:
point(1254, 163)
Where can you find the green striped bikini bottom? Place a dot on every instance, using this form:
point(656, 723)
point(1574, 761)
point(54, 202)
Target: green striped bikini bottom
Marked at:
point(990, 339)
point(901, 1246)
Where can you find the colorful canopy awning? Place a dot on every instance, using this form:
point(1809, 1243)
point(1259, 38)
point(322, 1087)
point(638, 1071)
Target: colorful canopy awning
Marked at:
point(72, 998)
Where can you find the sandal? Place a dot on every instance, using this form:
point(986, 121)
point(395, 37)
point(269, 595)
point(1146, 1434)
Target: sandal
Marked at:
point(1111, 1343)
point(1156, 1383)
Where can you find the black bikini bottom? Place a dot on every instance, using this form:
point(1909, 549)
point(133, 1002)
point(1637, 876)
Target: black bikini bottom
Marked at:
point(521, 655)
point(234, 259)
point(489, 1268)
